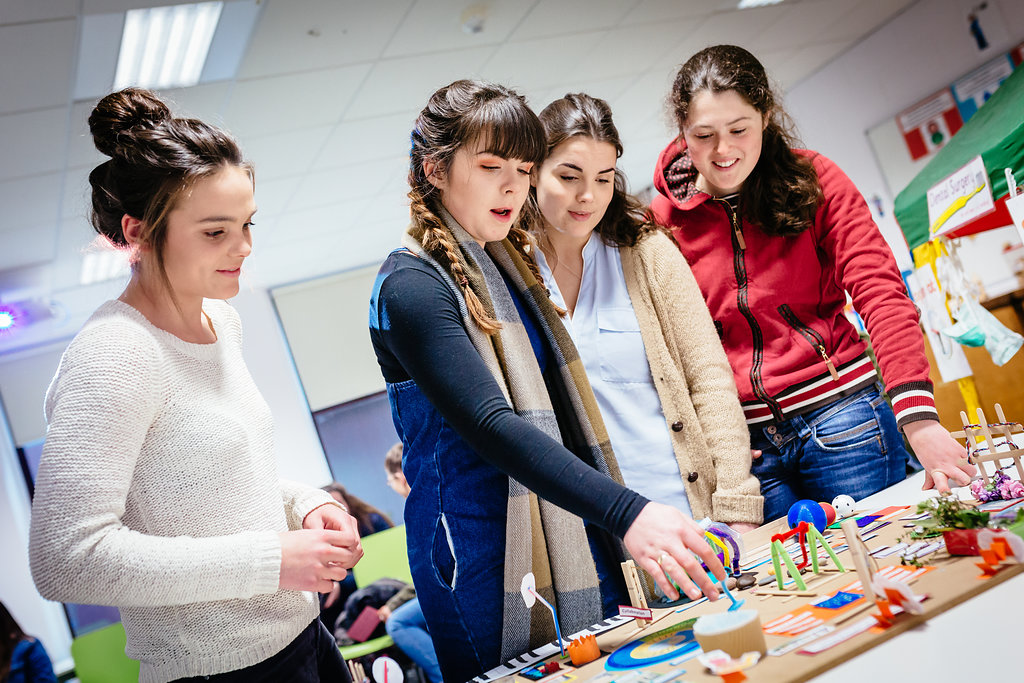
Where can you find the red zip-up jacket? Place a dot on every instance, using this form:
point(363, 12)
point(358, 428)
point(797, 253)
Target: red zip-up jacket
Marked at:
point(778, 301)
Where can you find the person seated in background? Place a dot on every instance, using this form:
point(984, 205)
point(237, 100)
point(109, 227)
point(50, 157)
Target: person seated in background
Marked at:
point(369, 520)
point(22, 657)
point(402, 615)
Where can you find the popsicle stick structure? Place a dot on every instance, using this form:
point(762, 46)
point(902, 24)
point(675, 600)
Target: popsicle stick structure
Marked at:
point(803, 531)
point(983, 438)
point(636, 590)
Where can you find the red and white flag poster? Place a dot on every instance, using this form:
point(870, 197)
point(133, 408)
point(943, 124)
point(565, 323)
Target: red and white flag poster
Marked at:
point(929, 124)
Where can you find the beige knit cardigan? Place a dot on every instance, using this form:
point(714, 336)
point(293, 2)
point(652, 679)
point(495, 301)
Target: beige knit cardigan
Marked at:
point(694, 382)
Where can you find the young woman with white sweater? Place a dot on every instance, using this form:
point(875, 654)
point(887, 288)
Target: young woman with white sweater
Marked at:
point(158, 491)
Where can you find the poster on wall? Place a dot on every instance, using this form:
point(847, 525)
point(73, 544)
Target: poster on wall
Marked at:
point(959, 198)
point(927, 125)
point(949, 356)
point(973, 90)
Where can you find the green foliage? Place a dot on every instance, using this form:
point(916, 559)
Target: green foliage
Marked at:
point(948, 513)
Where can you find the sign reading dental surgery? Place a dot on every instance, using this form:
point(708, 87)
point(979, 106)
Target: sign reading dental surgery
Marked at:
point(959, 198)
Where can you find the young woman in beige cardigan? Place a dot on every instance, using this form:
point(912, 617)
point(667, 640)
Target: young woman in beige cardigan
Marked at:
point(641, 325)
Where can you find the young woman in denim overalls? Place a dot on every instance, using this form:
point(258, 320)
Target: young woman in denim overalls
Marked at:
point(503, 445)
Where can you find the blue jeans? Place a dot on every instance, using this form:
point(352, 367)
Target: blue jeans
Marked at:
point(311, 658)
point(850, 446)
point(408, 629)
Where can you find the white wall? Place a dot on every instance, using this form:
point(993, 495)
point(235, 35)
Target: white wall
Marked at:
point(920, 51)
point(25, 376)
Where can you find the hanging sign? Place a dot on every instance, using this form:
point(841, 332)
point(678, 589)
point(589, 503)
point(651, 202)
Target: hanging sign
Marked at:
point(929, 124)
point(949, 356)
point(1016, 207)
point(959, 198)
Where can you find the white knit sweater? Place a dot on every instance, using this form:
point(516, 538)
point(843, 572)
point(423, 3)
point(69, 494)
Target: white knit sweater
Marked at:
point(158, 493)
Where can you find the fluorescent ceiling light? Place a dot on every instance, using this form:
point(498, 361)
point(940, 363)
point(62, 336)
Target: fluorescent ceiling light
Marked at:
point(747, 4)
point(166, 47)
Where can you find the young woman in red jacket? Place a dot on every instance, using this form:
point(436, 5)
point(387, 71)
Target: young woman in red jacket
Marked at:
point(776, 236)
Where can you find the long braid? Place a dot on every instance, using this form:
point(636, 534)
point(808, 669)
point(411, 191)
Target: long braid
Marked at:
point(521, 240)
point(435, 240)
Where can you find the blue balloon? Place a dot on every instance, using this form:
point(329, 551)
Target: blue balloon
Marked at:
point(807, 511)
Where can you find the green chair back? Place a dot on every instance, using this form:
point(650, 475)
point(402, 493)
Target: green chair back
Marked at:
point(384, 556)
point(99, 657)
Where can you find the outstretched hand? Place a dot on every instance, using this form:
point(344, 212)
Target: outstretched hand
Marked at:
point(940, 454)
point(663, 541)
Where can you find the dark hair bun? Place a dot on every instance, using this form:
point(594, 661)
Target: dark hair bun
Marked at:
point(118, 115)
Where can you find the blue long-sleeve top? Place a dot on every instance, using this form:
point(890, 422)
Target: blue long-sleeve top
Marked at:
point(420, 335)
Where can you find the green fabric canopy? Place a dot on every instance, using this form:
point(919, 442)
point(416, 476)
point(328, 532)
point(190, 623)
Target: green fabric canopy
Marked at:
point(996, 132)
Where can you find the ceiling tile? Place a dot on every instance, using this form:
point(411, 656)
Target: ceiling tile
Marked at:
point(431, 26)
point(304, 224)
point(807, 60)
point(273, 105)
point(32, 143)
point(28, 245)
point(862, 18)
point(738, 27)
point(565, 17)
point(81, 151)
point(809, 18)
point(206, 101)
point(648, 11)
point(49, 47)
point(22, 11)
point(284, 154)
point(313, 34)
point(346, 183)
point(272, 197)
point(632, 49)
point(379, 137)
point(29, 201)
point(404, 84)
point(539, 63)
point(77, 194)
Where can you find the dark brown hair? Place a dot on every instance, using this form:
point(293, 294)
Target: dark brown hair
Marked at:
point(154, 159)
point(358, 508)
point(460, 114)
point(782, 193)
point(10, 635)
point(580, 115)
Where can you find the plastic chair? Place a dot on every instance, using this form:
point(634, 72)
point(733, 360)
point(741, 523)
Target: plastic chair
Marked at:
point(99, 657)
point(384, 556)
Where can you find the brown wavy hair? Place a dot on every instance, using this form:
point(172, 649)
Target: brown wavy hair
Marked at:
point(782, 193)
point(461, 114)
point(580, 115)
point(358, 508)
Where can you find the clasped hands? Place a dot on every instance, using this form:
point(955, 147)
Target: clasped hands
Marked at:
point(320, 553)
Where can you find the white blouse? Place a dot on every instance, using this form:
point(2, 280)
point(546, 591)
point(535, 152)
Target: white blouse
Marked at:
point(607, 334)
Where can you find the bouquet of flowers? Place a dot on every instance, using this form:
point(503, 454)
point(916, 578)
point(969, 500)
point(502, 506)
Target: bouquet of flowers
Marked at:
point(999, 487)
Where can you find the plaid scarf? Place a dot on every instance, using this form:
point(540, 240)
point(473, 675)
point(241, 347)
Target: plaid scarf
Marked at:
point(540, 536)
